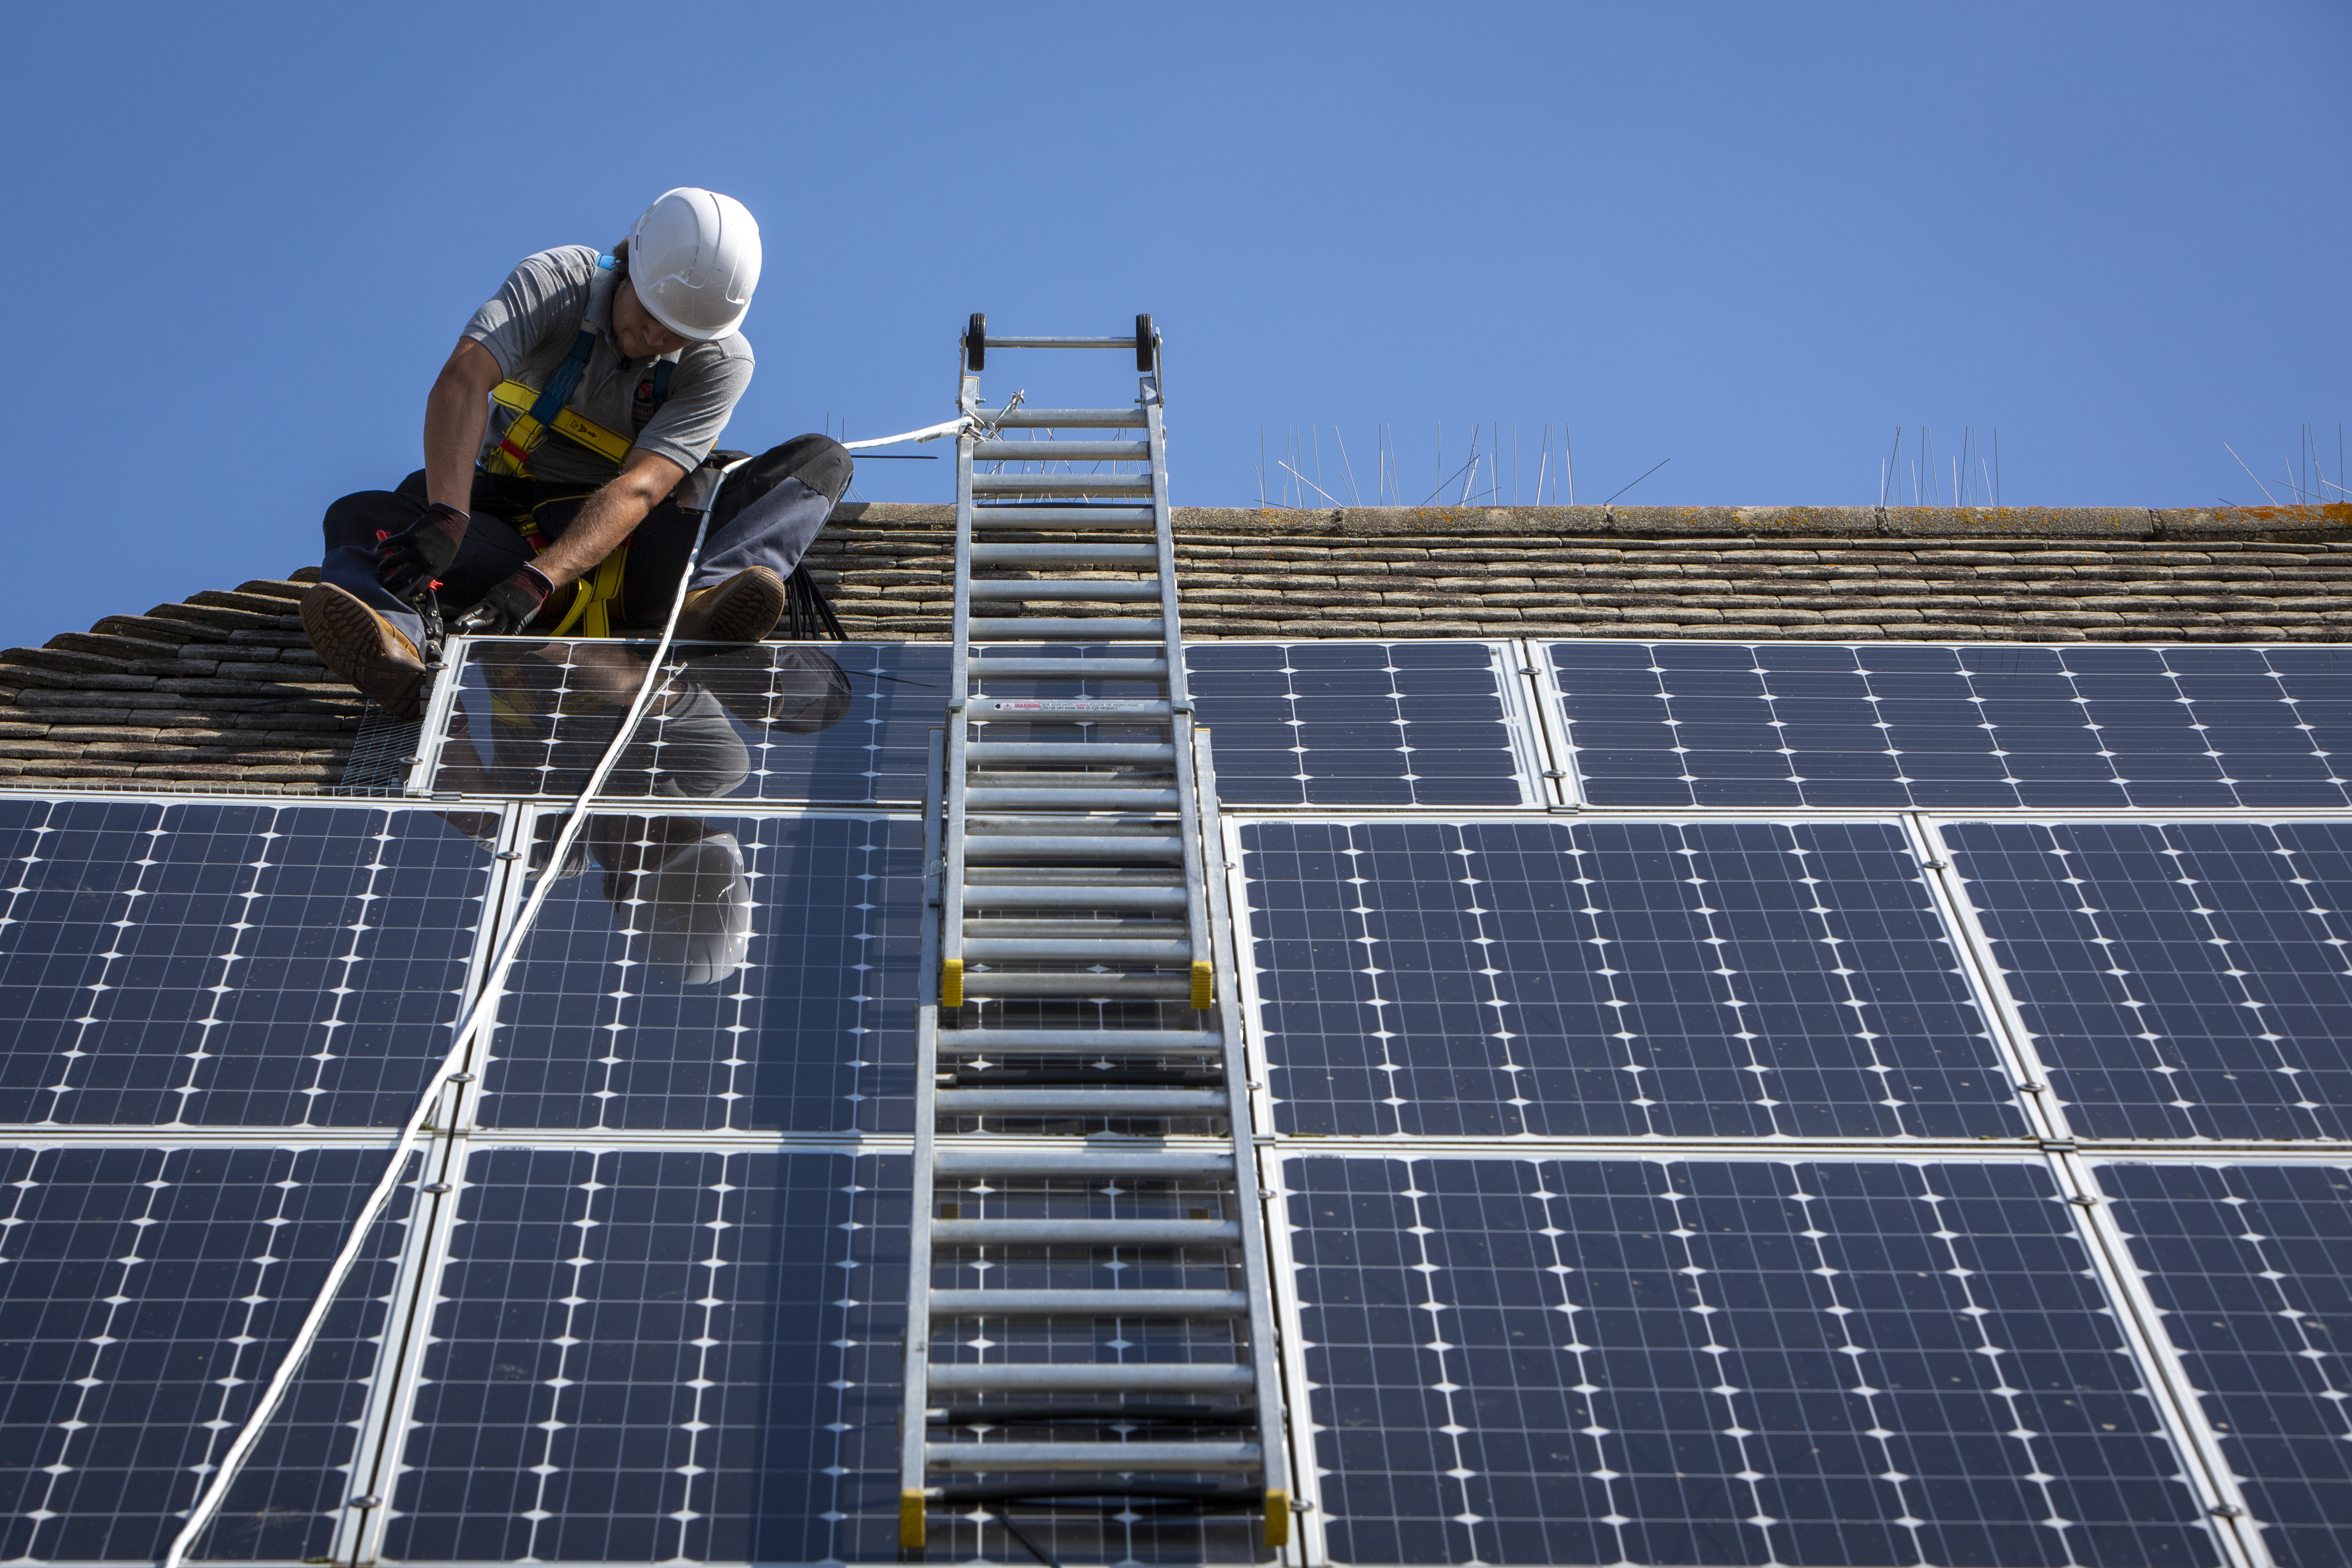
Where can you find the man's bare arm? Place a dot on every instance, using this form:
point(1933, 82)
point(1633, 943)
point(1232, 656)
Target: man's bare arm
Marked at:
point(609, 516)
point(455, 414)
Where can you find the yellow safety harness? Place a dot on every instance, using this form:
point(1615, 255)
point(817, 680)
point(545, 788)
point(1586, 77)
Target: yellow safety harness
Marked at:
point(536, 412)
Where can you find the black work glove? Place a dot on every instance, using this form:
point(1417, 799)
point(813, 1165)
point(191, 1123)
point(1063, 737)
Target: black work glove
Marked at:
point(509, 608)
point(406, 562)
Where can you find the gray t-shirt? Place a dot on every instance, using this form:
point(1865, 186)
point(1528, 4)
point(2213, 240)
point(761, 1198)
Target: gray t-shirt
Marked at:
point(530, 326)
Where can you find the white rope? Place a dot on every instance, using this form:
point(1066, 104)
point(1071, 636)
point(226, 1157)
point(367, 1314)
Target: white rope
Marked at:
point(955, 427)
point(485, 1003)
point(978, 423)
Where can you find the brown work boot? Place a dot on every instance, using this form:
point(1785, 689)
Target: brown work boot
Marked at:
point(744, 608)
point(364, 648)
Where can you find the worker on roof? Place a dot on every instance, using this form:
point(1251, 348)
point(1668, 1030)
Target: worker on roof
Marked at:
point(569, 450)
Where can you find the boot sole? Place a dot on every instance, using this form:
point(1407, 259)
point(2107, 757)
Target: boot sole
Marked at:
point(350, 641)
point(746, 609)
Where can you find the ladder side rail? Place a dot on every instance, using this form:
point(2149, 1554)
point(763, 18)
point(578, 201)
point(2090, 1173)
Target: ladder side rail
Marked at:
point(913, 1414)
point(1180, 702)
point(959, 697)
point(960, 668)
point(1265, 1363)
point(1164, 541)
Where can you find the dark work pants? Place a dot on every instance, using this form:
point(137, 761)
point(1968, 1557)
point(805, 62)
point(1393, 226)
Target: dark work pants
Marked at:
point(768, 513)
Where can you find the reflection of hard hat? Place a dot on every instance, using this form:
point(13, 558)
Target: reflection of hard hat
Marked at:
point(694, 258)
point(696, 914)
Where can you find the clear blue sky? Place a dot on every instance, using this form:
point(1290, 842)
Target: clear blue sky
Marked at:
point(1751, 238)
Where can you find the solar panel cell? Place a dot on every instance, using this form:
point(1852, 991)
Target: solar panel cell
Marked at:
point(229, 965)
point(709, 972)
point(838, 722)
point(145, 1294)
point(1965, 728)
point(662, 1355)
point(2252, 1267)
point(1674, 1362)
point(2179, 979)
point(1596, 979)
point(1352, 724)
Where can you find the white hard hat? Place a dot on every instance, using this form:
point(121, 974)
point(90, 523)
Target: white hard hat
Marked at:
point(694, 257)
point(697, 912)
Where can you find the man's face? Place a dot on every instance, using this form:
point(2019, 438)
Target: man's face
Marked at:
point(641, 336)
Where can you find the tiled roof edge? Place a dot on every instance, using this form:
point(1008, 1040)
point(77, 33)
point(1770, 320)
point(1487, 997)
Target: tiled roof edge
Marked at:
point(2331, 522)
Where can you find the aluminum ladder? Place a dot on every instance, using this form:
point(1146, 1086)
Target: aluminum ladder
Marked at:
point(1089, 1311)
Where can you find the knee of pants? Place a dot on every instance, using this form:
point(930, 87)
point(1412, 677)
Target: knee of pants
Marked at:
point(358, 518)
point(819, 462)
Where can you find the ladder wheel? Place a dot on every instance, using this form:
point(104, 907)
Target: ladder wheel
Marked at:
point(1147, 345)
point(975, 342)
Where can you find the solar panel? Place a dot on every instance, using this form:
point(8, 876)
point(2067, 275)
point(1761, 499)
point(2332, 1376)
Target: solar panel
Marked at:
point(145, 1294)
point(1350, 723)
point(706, 973)
point(662, 1355)
point(1361, 724)
point(1776, 725)
point(843, 724)
point(2179, 979)
point(1679, 1361)
point(1614, 979)
point(2252, 1267)
point(229, 964)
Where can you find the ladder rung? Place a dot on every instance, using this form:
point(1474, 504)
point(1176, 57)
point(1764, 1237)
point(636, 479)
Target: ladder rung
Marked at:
point(1096, 1160)
point(978, 826)
point(1014, 895)
point(1066, 628)
point(1082, 1102)
point(1083, 1042)
point(1087, 877)
point(1056, 519)
point(1137, 987)
point(1061, 452)
point(1076, 949)
point(1070, 418)
point(1126, 1459)
point(1152, 1377)
point(1085, 1233)
point(953, 1044)
point(1068, 709)
point(1061, 484)
point(1018, 850)
point(1023, 924)
point(1123, 590)
point(999, 340)
point(1143, 555)
point(1051, 778)
point(1072, 797)
point(1083, 752)
point(1002, 668)
point(1089, 1303)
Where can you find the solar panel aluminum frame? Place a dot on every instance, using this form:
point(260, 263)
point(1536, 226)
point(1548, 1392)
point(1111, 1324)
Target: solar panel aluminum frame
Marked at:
point(1993, 1005)
point(2183, 1421)
point(1564, 787)
point(2007, 1007)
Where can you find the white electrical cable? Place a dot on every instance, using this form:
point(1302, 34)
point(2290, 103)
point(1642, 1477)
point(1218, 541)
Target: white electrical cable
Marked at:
point(956, 427)
point(486, 1001)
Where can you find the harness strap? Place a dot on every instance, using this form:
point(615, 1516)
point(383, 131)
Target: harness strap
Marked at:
point(587, 433)
point(528, 428)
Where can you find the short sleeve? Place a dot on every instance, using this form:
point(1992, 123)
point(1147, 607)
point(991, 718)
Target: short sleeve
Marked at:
point(703, 392)
point(542, 297)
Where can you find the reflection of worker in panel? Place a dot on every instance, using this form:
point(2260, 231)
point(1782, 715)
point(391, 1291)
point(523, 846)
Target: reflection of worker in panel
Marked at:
point(678, 885)
point(545, 713)
point(556, 439)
